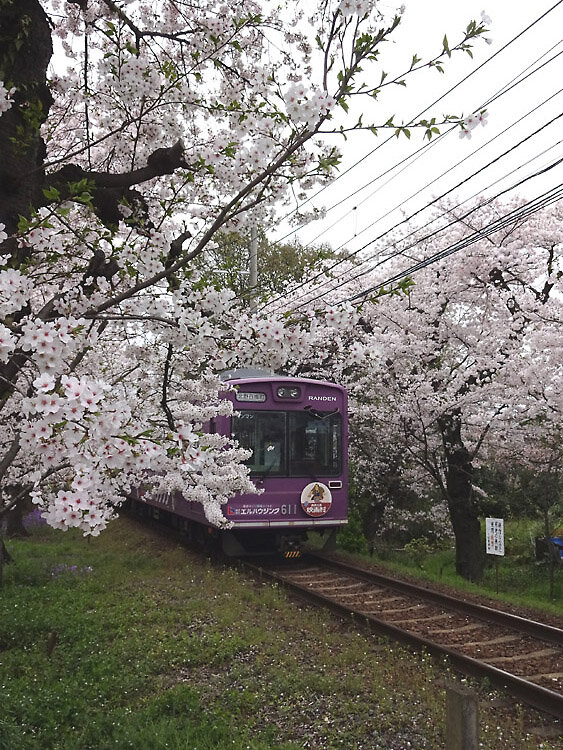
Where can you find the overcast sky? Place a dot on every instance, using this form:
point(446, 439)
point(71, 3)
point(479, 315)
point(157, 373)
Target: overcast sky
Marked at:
point(390, 193)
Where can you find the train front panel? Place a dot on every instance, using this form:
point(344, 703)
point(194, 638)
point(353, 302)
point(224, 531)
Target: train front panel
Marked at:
point(297, 432)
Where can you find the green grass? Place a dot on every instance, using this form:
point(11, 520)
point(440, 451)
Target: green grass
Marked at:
point(155, 648)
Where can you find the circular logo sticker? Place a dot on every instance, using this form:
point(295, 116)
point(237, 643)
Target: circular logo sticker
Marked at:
point(316, 499)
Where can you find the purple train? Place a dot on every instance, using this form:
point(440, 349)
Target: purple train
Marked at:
point(297, 430)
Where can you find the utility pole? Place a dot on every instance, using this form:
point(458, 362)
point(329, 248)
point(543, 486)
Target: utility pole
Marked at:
point(253, 278)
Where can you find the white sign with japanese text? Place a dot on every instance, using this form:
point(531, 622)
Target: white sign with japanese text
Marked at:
point(495, 536)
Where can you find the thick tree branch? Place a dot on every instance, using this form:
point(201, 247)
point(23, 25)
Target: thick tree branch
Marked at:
point(163, 161)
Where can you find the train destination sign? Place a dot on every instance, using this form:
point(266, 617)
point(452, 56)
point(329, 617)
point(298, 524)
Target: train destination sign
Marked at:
point(248, 396)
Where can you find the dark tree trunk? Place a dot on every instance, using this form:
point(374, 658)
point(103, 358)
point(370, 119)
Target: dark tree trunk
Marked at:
point(463, 512)
point(24, 57)
point(25, 51)
point(13, 519)
point(4, 555)
point(371, 521)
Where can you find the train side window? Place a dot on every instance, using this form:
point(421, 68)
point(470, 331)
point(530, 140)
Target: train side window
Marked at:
point(263, 433)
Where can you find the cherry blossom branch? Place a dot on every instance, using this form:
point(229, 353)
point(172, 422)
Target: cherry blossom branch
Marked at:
point(7, 506)
point(222, 217)
point(165, 382)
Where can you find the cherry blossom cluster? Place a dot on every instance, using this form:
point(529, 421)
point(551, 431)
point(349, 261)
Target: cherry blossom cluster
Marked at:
point(473, 344)
point(471, 122)
point(135, 81)
point(6, 98)
point(355, 7)
point(77, 424)
point(219, 24)
point(15, 290)
point(306, 107)
point(344, 317)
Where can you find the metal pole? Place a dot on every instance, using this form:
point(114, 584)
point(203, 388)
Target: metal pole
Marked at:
point(253, 278)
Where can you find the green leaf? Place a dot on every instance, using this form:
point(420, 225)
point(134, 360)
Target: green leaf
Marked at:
point(51, 193)
point(23, 224)
point(446, 46)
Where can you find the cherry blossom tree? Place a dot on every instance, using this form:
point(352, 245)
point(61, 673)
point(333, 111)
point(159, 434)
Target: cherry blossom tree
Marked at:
point(466, 366)
point(131, 133)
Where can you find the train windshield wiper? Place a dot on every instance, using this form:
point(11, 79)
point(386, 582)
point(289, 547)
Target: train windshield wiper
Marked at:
point(268, 468)
point(320, 414)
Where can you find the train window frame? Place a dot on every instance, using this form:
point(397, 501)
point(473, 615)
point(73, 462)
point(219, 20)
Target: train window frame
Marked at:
point(314, 466)
point(287, 464)
point(267, 470)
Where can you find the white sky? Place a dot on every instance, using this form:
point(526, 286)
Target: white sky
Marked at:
point(385, 203)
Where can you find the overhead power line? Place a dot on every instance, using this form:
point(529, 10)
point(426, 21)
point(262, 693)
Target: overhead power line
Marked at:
point(420, 114)
point(505, 89)
point(405, 250)
point(422, 151)
point(549, 197)
point(411, 216)
point(421, 239)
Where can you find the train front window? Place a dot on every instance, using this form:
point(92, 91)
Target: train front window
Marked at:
point(290, 443)
point(263, 433)
point(314, 444)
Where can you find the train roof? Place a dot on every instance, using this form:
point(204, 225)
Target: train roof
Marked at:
point(255, 373)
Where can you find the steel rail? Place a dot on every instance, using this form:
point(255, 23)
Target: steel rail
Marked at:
point(534, 695)
point(523, 625)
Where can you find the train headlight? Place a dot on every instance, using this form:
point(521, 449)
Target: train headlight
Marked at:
point(289, 392)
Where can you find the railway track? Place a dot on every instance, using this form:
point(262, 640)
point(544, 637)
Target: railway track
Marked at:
point(519, 656)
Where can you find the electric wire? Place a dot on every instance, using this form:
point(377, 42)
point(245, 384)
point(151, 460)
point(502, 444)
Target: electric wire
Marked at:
point(421, 239)
point(431, 221)
point(546, 199)
point(469, 199)
point(507, 87)
point(421, 151)
point(471, 176)
point(409, 218)
point(415, 117)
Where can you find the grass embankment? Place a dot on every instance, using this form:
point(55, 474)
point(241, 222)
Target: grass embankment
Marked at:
point(131, 641)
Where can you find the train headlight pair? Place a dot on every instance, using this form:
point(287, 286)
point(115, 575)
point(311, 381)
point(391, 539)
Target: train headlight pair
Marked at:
point(289, 392)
